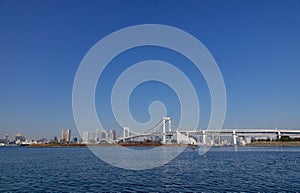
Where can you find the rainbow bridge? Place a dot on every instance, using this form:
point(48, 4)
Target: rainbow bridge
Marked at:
point(170, 133)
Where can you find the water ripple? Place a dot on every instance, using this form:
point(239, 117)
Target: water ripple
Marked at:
point(220, 170)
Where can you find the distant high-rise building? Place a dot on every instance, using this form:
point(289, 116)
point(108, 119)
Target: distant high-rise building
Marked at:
point(112, 136)
point(85, 136)
point(100, 135)
point(97, 135)
point(92, 138)
point(104, 135)
point(66, 135)
point(6, 137)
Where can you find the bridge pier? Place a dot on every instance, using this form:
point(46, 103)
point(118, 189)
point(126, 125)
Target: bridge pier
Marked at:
point(234, 137)
point(164, 132)
point(198, 138)
point(204, 138)
point(279, 135)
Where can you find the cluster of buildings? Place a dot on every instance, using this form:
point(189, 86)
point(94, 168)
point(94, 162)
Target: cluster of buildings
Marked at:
point(98, 136)
point(87, 137)
point(19, 139)
point(65, 138)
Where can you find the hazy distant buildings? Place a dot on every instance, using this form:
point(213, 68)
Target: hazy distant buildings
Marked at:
point(19, 137)
point(66, 135)
point(112, 136)
point(99, 136)
point(54, 140)
point(85, 137)
point(6, 137)
point(93, 137)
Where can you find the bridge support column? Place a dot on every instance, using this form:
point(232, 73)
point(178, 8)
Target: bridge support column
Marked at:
point(204, 138)
point(234, 137)
point(164, 131)
point(279, 135)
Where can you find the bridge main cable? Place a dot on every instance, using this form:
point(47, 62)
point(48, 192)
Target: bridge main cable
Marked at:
point(156, 126)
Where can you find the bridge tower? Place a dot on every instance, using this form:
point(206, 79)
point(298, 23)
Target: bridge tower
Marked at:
point(125, 132)
point(165, 120)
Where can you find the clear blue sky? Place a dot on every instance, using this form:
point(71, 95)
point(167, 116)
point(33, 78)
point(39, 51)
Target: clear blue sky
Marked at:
point(255, 43)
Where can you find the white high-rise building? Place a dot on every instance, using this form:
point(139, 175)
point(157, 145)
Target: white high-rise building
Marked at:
point(98, 135)
point(86, 137)
point(66, 135)
point(112, 136)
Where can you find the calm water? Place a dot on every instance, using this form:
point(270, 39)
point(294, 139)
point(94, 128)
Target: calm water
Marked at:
point(221, 169)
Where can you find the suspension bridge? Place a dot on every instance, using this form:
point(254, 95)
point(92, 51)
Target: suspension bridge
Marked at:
point(167, 131)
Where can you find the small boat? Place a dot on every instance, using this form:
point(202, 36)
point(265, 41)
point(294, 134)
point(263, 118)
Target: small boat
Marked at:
point(24, 144)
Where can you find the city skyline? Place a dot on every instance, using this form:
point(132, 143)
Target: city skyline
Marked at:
point(256, 45)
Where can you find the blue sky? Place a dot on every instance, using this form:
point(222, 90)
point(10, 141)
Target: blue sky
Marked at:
point(255, 43)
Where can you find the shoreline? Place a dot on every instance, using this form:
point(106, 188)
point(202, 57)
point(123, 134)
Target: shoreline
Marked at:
point(100, 145)
point(253, 144)
point(274, 144)
point(108, 145)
